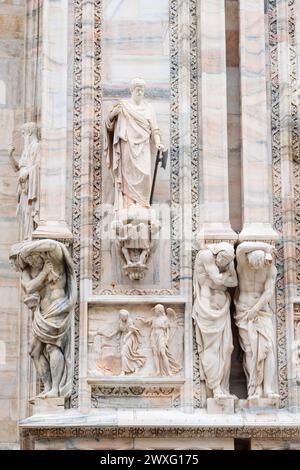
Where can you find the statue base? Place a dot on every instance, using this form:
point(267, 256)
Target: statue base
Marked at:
point(48, 405)
point(217, 406)
point(262, 403)
point(135, 271)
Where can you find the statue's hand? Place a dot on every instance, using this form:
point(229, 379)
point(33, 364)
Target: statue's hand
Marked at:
point(251, 314)
point(11, 149)
point(115, 111)
point(48, 267)
point(160, 147)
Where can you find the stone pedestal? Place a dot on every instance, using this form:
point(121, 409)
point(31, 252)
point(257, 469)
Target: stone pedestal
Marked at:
point(263, 403)
point(48, 405)
point(220, 406)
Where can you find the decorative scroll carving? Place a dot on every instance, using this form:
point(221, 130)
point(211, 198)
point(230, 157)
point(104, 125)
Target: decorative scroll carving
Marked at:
point(101, 395)
point(297, 340)
point(31, 434)
point(76, 209)
point(49, 284)
point(254, 310)
point(28, 188)
point(277, 202)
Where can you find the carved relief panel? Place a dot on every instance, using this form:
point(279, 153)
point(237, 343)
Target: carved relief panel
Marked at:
point(143, 341)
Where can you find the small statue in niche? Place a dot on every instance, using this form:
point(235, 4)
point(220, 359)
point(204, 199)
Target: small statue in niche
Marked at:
point(257, 277)
point(130, 342)
point(131, 134)
point(49, 283)
point(160, 338)
point(28, 180)
point(214, 272)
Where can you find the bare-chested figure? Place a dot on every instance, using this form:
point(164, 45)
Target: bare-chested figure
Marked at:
point(49, 284)
point(257, 276)
point(214, 272)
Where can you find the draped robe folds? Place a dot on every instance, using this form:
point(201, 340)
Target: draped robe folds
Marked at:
point(256, 338)
point(130, 343)
point(128, 153)
point(159, 339)
point(214, 340)
point(27, 190)
point(53, 324)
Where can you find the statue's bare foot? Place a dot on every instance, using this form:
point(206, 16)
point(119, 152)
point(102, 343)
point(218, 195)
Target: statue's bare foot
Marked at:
point(44, 393)
point(219, 393)
point(254, 396)
point(258, 393)
point(272, 395)
point(41, 395)
point(52, 394)
point(231, 395)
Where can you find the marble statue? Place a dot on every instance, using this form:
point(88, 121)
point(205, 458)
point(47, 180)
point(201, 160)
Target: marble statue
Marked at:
point(214, 272)
point(28, 180)
point(130, 341)
point(253, 300)
point(49, 284)
point(131, 137)
point(131, 130)
point(160, 337)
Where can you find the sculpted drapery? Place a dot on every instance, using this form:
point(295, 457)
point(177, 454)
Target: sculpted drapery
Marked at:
point(50, 291)
point(28, 168)
point(131, 136)
point(214, 272)
point(253, 316)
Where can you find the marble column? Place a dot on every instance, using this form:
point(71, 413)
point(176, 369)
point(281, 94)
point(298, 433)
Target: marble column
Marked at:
point(255, 128)
point(214, 207)
point(54, 33)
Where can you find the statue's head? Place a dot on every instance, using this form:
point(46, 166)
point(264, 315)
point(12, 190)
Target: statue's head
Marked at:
point(159, 309)
point(224, 253)
point(257, 259)
point(223, 259)
point(137, 88)
point(124, 314)
point(30, 129)
point(34, 260)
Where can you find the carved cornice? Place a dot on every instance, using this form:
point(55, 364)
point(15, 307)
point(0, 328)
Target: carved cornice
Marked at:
point(31, 434)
